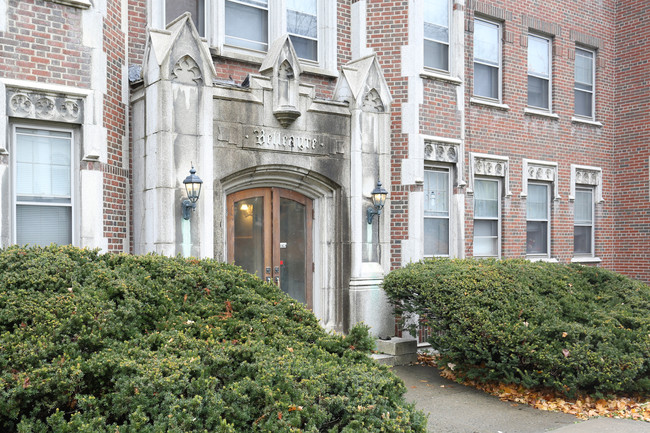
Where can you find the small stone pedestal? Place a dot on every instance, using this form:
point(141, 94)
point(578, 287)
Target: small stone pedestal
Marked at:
point(396, 351)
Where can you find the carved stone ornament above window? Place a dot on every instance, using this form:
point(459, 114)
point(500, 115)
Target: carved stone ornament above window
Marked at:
point(490, 165)
point(33, 105)
point(441, 152)
point(536, 172)
point(543, 171)
point(587, 177)
point(81, 4)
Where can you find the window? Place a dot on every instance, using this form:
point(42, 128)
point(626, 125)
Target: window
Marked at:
point(537, 216)
point(487, 211)
point(175, 8)
point(247, 24)
point(436, 212)
point(302, 26)
point(436, 34)
point(487, 59)
point(584, 83)
point(43, 186)
point(539, 72)
point(583, 226)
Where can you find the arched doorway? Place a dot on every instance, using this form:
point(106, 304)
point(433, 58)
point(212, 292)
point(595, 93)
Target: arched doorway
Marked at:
point(269, 233)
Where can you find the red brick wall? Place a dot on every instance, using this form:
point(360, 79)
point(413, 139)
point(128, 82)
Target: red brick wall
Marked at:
point(116, 177)
point(43, 43)
point(517, 135)
point(631, 198)
point(387, 32)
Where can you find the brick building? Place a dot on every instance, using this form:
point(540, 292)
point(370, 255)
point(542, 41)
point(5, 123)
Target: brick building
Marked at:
point(499, 128)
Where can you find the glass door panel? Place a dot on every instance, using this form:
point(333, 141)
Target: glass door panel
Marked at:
point(249, 235)
point(269, 235)
point(293, 245)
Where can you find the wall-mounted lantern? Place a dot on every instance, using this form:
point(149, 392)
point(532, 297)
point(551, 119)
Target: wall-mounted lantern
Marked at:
point(378, 200)
point(193, 187)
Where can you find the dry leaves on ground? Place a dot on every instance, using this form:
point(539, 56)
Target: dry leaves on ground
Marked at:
point(636, 408)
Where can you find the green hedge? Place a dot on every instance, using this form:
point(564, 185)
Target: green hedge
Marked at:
point(106, 343)
point(573, 328)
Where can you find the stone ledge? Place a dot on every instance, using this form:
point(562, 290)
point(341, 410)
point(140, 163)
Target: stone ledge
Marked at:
point(392, 360)
point(397, 346)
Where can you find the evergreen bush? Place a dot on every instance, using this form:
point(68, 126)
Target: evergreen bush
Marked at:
point(106, 343)
point(573, 328)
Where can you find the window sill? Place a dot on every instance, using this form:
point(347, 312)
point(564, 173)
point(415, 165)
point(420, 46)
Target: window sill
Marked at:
point(542, 259)
point(81, 4)
point(441, 77)
point(586, 259)
point(257, 57)
point(488, 103)
point(537, 112)
point(586, 121)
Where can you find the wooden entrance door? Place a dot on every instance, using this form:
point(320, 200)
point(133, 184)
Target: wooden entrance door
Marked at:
point(270, 235)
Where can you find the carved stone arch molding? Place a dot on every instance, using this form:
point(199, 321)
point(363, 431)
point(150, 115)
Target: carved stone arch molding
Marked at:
point(187, 71)
point(481, 164)
point(544, 171)
point(372, 102)
point(586, 175)
point(27, 104)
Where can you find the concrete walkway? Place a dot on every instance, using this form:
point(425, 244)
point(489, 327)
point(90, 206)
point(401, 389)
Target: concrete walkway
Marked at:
point(455, 408)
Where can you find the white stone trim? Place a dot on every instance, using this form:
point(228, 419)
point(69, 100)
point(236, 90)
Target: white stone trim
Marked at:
point(359, 31)
point(586, 121)
point(475, 100)
point(543, 171)
point(542, 113)
point(81, 4)
point(587, 175)
point(434, 75)
point(3, 15)
point(585, 259)
point(488, 165)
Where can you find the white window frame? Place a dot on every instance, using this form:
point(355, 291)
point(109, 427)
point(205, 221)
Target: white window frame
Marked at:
point(215, 28)
point(498, 66)
point(592, 223)
point(550, 73)
point(548, 221)
point(593, 84)
point(73, 177)
point(448, 171)
point(497, 180)
point(450, 29)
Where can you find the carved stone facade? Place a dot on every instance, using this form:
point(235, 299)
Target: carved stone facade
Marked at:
point(27, 104)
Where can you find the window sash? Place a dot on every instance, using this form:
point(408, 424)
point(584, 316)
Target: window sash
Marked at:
point(174, 8)
point(487, 59)
point(242, 16)
point(437, 34)
point(538, 219)
point(437, 191)
point(42, 186)
point(584, 77)
point(583, 213)
point(487, 216)
point(539, 72)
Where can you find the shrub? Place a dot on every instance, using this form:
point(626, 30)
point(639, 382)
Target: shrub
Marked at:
point(99, 343)
point(573, 328)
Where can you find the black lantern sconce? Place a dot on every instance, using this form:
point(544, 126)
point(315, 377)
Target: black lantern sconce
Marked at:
point(378, 200)
point(193, 187)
